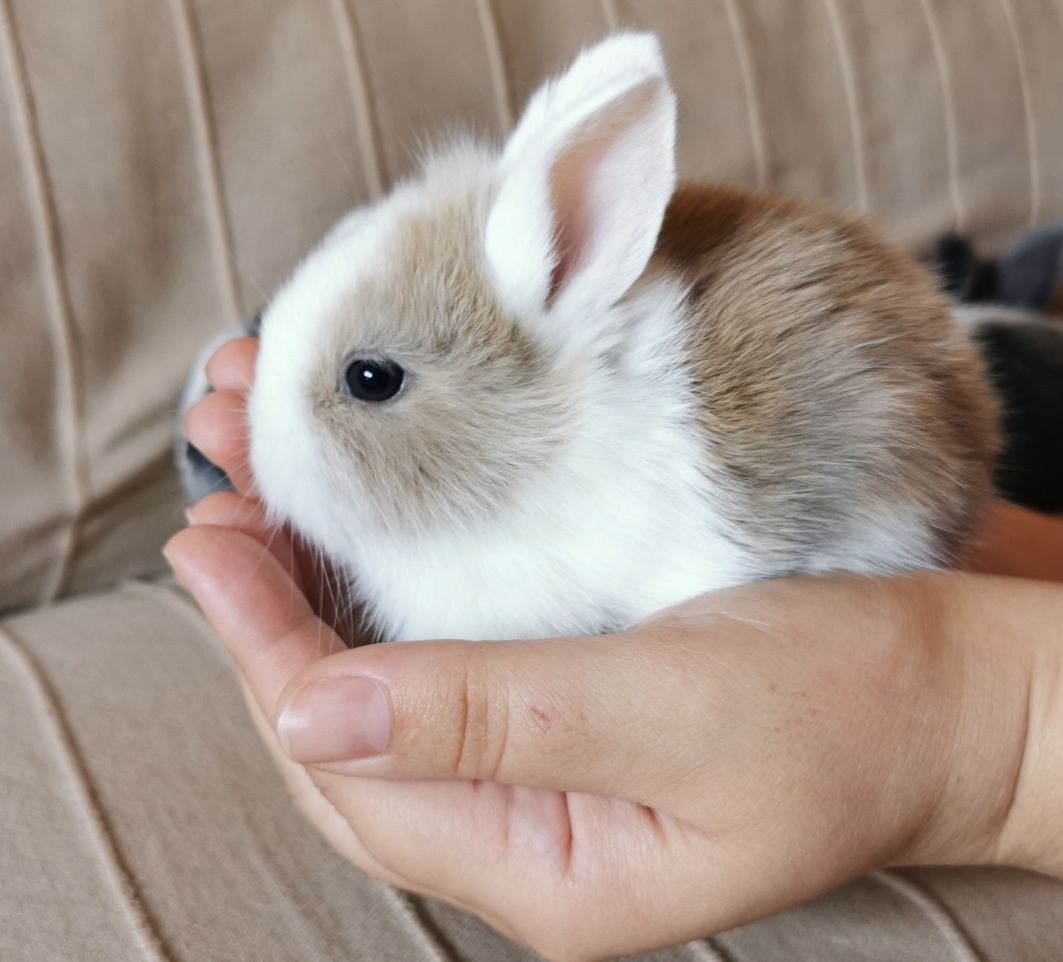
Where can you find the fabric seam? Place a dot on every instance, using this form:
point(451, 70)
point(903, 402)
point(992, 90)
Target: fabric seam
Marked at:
point(102, 840)
point(70, 389)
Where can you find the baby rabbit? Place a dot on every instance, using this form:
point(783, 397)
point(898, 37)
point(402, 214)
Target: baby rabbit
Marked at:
point(546, 391)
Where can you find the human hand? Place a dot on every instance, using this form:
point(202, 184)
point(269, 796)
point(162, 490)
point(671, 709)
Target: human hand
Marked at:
point(592, 796)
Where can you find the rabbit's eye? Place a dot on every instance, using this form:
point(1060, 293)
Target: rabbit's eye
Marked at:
point(371, 380)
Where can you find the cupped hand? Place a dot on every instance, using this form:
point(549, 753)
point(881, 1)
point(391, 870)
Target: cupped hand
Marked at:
point(593, 796)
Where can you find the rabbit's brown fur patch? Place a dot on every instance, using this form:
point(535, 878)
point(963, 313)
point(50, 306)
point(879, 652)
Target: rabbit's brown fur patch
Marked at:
point(829, 372)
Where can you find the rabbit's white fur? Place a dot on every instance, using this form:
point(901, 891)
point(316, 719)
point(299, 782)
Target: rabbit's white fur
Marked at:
point(473, 525)
point(620, 526)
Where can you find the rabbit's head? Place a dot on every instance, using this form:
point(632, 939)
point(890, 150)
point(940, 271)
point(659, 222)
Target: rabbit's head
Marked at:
point(436, 352)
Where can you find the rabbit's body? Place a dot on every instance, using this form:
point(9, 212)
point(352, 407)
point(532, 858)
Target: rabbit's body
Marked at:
point(567, 497)
point(847, 413)
point(612, 399)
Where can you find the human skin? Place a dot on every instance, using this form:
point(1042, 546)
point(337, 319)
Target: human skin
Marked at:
point(739, 753)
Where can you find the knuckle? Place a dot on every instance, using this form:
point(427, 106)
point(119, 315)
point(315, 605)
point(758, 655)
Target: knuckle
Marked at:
point(482, 721)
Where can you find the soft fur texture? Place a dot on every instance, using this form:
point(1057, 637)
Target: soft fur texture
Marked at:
point(616, 396)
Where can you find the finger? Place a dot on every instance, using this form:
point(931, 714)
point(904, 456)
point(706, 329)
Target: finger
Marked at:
point(313, 804)
point(217, 425)
point(569, 714)
point(253, 604)
point(227, 509)
point(231, 510)
point(232, 366)
point(328, 591)
point(414, 832)
point(271, 633)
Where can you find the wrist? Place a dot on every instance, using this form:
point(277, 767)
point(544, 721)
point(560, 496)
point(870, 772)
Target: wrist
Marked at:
point(998, 684)
point(1031, 833)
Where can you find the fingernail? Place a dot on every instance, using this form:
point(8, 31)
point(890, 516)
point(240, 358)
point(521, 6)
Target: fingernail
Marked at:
point(335, 720)
point(189, 516)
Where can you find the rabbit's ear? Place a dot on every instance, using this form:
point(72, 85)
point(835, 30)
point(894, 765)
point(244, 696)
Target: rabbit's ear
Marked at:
point(584, 182)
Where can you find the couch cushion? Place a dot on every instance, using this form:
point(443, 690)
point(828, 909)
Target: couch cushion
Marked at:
point(163, 166)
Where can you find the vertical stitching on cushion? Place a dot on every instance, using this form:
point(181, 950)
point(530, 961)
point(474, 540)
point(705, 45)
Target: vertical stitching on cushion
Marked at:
point(1027, 109)
point(754, 114)
point(145, 931)
point(195, 80)
point(70, 401)
point(358, 84)
point(952, 148)
point(962, 948)
point(496, 63)
point(852, 102)
point(611, 14)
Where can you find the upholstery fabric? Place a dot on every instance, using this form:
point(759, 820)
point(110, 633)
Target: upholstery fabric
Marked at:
point(165, 163)
point(143, 822)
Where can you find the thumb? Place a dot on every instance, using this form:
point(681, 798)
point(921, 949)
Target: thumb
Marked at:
point(598, 715)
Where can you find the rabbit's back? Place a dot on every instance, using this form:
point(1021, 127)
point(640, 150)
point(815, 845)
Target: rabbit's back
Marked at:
point(848, 417)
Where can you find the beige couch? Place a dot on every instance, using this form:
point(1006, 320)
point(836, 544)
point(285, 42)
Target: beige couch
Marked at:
point(162, 166)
